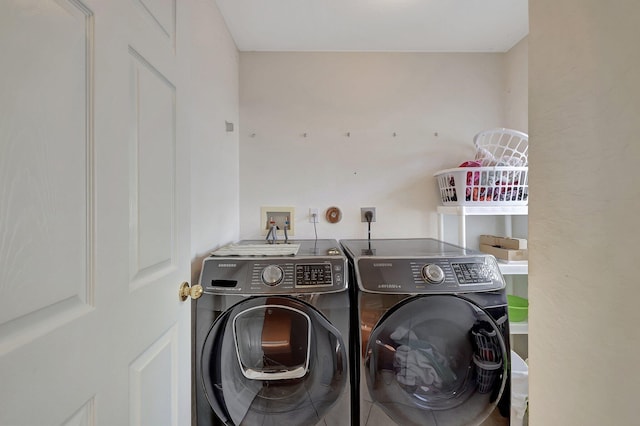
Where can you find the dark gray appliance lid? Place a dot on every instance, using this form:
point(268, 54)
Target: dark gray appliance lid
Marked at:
point(318, 266)
point(404, 247)
point(421, 266)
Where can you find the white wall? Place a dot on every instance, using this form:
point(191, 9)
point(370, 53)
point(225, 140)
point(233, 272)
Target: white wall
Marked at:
point(584, 290)
point(214, 159)
point(516, 86)
point(435, 103)
point(517, 117)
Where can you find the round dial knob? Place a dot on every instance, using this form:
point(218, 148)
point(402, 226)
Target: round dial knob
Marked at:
point(432, 274)
point(272, 275)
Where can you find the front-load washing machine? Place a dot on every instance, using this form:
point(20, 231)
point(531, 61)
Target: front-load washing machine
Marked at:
point(271, 335)
point(434, 334)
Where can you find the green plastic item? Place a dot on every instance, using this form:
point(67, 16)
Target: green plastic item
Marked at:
point(518, 308)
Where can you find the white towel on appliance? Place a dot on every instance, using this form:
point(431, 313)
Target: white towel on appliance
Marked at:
point(257, 250)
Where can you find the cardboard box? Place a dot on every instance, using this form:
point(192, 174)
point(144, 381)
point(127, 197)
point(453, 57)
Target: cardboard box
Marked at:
point(503, 253)
point(504, 242)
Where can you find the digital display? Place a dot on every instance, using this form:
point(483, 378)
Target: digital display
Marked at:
point(313, 274)
point(470, 273)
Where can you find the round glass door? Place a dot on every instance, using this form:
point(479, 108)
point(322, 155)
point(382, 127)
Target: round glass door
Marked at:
point(273, 360)
point(436, 359)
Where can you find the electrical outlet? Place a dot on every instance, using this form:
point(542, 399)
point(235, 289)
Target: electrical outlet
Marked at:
point(313, 216)
point(280, 215)
point(364, 210)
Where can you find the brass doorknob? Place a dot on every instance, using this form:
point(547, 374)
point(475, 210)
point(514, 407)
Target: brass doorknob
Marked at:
point(187, 291)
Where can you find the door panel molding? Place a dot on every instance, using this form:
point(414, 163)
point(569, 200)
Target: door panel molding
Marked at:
point(153, 378)
point(22, 330)
point(85, 416)
point(47, 225)
point(162, 15)
point(153, 213)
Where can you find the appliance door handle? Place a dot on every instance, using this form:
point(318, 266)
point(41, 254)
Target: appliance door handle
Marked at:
point(337, 356)
point(294, 373)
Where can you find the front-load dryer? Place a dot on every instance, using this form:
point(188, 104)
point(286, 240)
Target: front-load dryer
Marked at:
point(271, 335)
point(434, 337)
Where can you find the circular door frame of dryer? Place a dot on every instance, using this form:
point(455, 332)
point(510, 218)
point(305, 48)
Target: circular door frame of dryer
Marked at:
point(436, 359)
point(273, 360)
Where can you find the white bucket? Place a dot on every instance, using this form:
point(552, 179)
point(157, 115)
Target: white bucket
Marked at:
point(519, 389)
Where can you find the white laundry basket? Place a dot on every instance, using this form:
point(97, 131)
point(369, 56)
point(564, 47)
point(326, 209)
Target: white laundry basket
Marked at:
point(484, 186)
point(504, 147)
point(519, 389)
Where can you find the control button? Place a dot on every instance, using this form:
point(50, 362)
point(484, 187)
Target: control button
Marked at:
point(272, 275)
point(433, 274)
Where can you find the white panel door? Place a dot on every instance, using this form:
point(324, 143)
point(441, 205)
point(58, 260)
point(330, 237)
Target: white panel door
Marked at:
point(94, 217)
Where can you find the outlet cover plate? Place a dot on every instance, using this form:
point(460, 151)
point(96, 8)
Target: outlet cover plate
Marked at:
point(313, 219)
point(363, 210)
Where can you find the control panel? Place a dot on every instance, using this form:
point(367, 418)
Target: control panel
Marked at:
point(273, 275)
point(429, 274)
